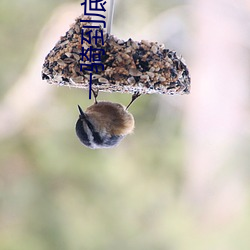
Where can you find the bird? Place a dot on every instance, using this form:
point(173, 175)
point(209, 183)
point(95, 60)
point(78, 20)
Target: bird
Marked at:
point(104, 124)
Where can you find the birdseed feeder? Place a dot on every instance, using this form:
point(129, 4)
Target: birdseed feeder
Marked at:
point(129, 66)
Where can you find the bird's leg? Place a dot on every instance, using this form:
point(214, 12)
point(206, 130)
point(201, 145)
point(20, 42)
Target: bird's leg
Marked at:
point(95, 93)
point(134, 97)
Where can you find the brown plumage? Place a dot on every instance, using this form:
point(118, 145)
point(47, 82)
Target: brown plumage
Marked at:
point(112, 118)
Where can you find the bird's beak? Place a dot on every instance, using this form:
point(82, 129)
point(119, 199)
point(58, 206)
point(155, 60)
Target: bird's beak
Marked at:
point(82, 115)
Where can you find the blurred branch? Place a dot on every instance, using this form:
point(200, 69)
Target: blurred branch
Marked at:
point(29, 92)
point(216, 111)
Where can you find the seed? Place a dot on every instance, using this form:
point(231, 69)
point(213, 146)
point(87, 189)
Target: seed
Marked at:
point(126, 56)
point(145, 42)
point(134, 72)
point(150, 74)
point(95, 76)
point(69, 60)
point(120, 42)
point(68, 54)
point(128, 50)
point(154, 49)
point(119, 58)
point(103, 80)
point(135, 45)
point(131, 80)
point(144, 78)
point(61, 62)
point(77, 79)
point(77, 28)
point(77, 57)
point(152, 69)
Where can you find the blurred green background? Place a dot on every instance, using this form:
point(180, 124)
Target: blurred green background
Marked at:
point(181, 181)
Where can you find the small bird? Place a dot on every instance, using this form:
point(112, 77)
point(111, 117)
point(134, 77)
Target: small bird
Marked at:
point(104, 124)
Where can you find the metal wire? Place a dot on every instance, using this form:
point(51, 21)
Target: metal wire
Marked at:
point(110, 16)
